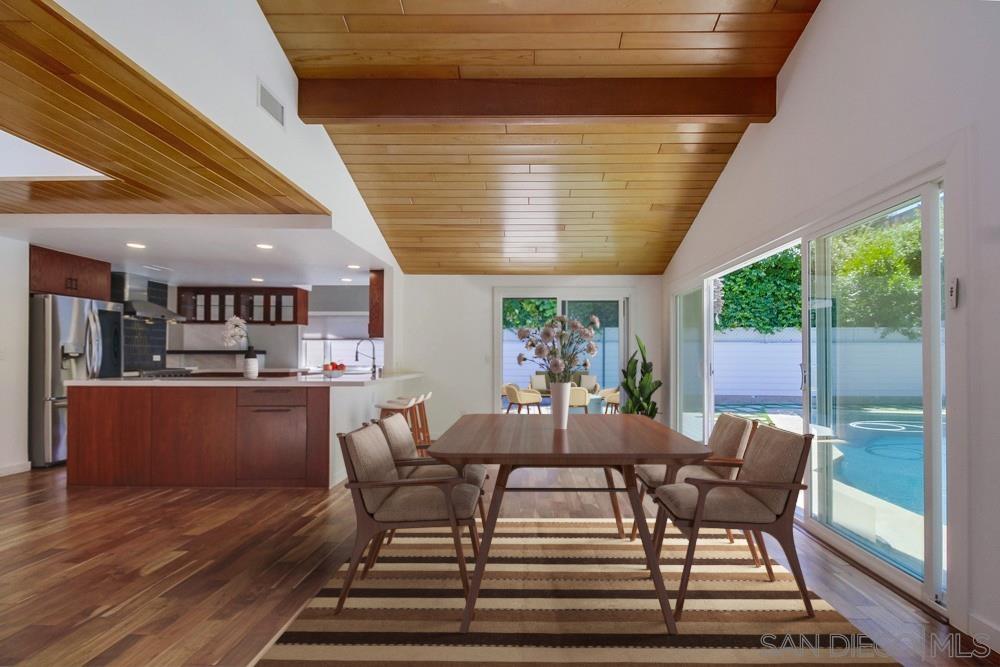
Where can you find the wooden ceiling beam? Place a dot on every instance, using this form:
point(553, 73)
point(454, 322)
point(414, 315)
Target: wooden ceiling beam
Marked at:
point(336, 101)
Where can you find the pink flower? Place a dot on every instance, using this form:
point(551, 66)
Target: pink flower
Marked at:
point(521, 359)
point(556, 365)
point(541, 351)
point(547, 334)
point(595, 321)
point(523, 333)
point(586, 364)
point(591, 349)
point(575, 325)
point(586, 334)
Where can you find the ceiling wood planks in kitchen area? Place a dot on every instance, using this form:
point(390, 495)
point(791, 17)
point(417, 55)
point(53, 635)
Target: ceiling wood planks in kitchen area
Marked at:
point(65, 89)
point(536, 136)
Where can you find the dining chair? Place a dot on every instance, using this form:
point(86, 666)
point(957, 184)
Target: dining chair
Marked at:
point(522, 398)
point(728, 442)
point(384, 501)
point(761, 499)
point(579, 398)
point(612, 401)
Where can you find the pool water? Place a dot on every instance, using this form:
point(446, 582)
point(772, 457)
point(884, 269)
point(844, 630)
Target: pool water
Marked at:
point(882, 448)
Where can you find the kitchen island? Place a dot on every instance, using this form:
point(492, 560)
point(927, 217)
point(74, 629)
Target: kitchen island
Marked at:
point(222, 432)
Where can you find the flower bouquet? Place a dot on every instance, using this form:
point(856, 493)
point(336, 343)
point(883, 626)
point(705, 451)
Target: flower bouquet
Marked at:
point(561, 347)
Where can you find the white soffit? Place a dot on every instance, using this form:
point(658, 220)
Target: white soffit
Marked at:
point(21, 160)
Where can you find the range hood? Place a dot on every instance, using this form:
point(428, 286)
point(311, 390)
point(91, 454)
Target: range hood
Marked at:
point(133, 291)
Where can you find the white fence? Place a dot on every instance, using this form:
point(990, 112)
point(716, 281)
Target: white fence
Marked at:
point(749, 364)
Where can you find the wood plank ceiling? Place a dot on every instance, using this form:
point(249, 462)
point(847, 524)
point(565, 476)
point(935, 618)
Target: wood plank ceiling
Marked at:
point(528, 194)
point(65, 89)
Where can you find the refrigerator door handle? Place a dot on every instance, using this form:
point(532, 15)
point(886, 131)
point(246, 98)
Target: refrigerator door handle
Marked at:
point(90, 346)
point(98, 344)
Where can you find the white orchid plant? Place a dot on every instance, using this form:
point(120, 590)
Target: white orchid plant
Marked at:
point(561, 347)
point(235, 332)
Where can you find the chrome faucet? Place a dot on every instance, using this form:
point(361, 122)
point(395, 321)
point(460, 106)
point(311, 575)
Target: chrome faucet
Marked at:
point(357, 355)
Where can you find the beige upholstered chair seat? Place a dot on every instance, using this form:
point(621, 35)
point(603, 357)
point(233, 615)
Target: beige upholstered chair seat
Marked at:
point(425, 472)
point(426, 503)
point(722, 504)
point(472, 473)
point(652, 475)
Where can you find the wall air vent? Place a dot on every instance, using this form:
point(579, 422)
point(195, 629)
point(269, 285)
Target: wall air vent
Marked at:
point(270, 104)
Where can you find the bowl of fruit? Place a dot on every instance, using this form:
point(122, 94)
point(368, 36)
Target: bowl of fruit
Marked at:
point(333, 370)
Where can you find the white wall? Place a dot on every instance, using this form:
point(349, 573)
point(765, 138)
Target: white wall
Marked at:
point(448, 335)
point(13, 357)
point(874, 93)
point(212, 54)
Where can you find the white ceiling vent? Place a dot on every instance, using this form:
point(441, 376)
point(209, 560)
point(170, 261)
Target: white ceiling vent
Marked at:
point(270, 104)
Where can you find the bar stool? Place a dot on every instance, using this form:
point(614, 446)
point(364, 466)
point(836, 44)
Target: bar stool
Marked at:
point(421, 427)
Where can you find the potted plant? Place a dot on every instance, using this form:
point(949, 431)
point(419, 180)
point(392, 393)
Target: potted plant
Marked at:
point(561, 347)
point(639, 385)
point(236, 333)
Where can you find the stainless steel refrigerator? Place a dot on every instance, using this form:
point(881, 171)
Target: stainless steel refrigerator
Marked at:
point(71, 339)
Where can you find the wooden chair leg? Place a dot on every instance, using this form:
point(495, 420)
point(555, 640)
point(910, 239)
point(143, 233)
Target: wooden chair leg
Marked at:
point(786, 539)
point(389, 536)
point(635, 521)
point(614, 503)
point(509, 406)
point(482, 508)
point(763, 554)
point(729, 536)
point(360, 542)
point(660, 529)
point(456, 535)
point(518, 408)
point(474, 538)
point(686, 574)
point(753, 547)
point(373, 552)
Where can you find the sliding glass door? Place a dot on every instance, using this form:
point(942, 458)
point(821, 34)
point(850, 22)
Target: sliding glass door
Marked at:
point(607, 363)
point(689, 353)
point(875, 333)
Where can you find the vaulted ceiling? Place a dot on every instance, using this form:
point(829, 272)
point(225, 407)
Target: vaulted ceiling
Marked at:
point(526, 145)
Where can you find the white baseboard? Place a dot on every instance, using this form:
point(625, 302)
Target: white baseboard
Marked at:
point(15, 468)
point(984, 632)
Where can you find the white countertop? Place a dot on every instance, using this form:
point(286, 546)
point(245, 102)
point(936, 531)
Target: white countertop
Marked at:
point(192, 381)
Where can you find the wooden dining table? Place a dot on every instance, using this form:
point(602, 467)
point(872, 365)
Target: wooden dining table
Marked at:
point(619, 441)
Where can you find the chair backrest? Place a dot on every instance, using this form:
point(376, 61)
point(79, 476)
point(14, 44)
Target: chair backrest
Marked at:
point(588, 382)
point(775, 456)
point(578, 397)
point(399, 436)
point(368, 459)
point(540, 381)
point(729, 439)
point(511, 391)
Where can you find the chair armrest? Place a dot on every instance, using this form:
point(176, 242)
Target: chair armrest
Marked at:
point(429, 481)
point(722, 461)
point(530, 391)
point(702, 483)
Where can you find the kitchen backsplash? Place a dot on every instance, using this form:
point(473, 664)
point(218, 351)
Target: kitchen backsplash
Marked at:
point(146, 343)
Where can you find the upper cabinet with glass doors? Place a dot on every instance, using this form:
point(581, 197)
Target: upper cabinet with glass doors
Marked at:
point(256, 305)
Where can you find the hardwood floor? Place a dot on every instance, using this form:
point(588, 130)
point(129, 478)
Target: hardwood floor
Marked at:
point(97, 576)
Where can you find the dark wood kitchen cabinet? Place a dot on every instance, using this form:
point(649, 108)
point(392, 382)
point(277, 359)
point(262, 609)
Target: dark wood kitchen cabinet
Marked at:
point(199, 436)
point(262, 305)
point(54, 272)
point(193, 439)
point(376, 303)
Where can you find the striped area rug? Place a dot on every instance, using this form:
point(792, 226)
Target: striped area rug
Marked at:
point(566, 592)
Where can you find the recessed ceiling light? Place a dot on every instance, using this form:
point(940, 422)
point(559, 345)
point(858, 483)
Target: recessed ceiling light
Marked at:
point(265, 246)
point(353, 266)
point(154, 267)
point(137, 246)
point(347, 280)
point(257, 280)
